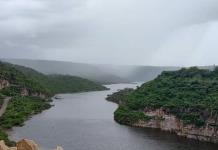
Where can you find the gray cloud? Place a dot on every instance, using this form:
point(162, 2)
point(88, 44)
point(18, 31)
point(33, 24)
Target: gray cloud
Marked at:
point(147, 32)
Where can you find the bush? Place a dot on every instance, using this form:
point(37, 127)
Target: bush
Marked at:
point(123, 115)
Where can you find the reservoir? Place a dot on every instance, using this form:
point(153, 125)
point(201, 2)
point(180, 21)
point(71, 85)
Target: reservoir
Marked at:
point(84, 121)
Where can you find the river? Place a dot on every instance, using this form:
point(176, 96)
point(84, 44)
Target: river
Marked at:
point(84, 121)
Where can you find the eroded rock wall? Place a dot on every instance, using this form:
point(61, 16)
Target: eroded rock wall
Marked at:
point(4, 84)
point(168, 122)
point(25, 92)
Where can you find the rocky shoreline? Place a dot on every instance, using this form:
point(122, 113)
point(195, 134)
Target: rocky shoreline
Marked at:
point(24, 144)
point(168, 122)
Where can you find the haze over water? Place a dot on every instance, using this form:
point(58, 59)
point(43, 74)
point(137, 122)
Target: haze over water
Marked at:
point(84, 121)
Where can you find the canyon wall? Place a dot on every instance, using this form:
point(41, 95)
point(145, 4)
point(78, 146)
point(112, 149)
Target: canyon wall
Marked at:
point(168, 122)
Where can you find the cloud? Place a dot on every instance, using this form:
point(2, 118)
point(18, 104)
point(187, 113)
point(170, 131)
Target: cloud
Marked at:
point(148, 32)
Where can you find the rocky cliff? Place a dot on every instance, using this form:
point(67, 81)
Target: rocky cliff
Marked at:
point(24, 144)
point(25, 92)
point(168, 122)
point(4, 84)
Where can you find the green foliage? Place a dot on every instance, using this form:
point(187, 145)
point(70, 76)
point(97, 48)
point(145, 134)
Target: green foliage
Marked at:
point(19, 80)
point(4, 136)
point(123, 115)
point(69, 84)
point(190, 94)
point(189, 118)
point(20, 109)
point(60, 83)
point(119, 97)
point(21, 77)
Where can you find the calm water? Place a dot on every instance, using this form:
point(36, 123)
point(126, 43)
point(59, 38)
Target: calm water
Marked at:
point(84, 121)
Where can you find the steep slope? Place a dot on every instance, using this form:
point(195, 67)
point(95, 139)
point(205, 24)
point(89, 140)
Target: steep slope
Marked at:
point(184, 102)
point(13, 81)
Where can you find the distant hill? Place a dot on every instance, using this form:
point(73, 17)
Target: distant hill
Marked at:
point(21, 78)
point(87, 71)
point(138, 73)
point(103, 74)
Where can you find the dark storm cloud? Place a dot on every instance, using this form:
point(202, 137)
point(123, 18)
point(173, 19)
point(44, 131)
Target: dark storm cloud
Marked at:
point(152, 32)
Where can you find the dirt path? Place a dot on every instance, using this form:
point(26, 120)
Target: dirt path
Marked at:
point(4, 105)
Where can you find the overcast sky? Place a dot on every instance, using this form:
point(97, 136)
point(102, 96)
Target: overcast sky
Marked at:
point(146, 32)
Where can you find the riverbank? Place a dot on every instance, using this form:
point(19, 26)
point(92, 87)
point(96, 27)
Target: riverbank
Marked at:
point(183, 102)
point(19, 110)
point(87, 123)
point(30, 91)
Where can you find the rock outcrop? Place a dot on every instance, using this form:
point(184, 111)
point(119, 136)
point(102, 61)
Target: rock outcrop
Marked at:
point(4, 147)
point(4, 84)
point(24, 144)
point(38, 94)
point(27, 145)
point(168, 122)
point(25, 92)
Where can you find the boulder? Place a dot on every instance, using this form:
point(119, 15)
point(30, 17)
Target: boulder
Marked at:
point(3, 146)
point(27, 145)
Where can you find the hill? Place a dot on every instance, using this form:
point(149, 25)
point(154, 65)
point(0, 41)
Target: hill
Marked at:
point(184, 102)
point(60, 83)
point(21, 77)
point(29, 91)
point(103, 74)
point(87, 71)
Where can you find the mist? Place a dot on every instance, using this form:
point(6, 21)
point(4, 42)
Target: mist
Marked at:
point(124, 32)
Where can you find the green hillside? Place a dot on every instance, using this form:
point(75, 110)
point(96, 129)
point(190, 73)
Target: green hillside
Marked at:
point(61, 83)
point(48, 84)
point(30, 92)
point(190, 94)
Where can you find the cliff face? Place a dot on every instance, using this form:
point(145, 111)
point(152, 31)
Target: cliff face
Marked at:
point(23, 145)
point(167, 122)
point(25, 92)
point(4, 84)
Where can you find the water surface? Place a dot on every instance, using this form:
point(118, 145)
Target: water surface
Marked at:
point(84, 121)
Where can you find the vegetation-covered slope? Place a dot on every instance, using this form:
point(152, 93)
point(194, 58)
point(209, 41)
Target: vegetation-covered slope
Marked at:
point(61, 83)
point(29, 91)
point(51, 84)
point(190, 94)
point(19, 80)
